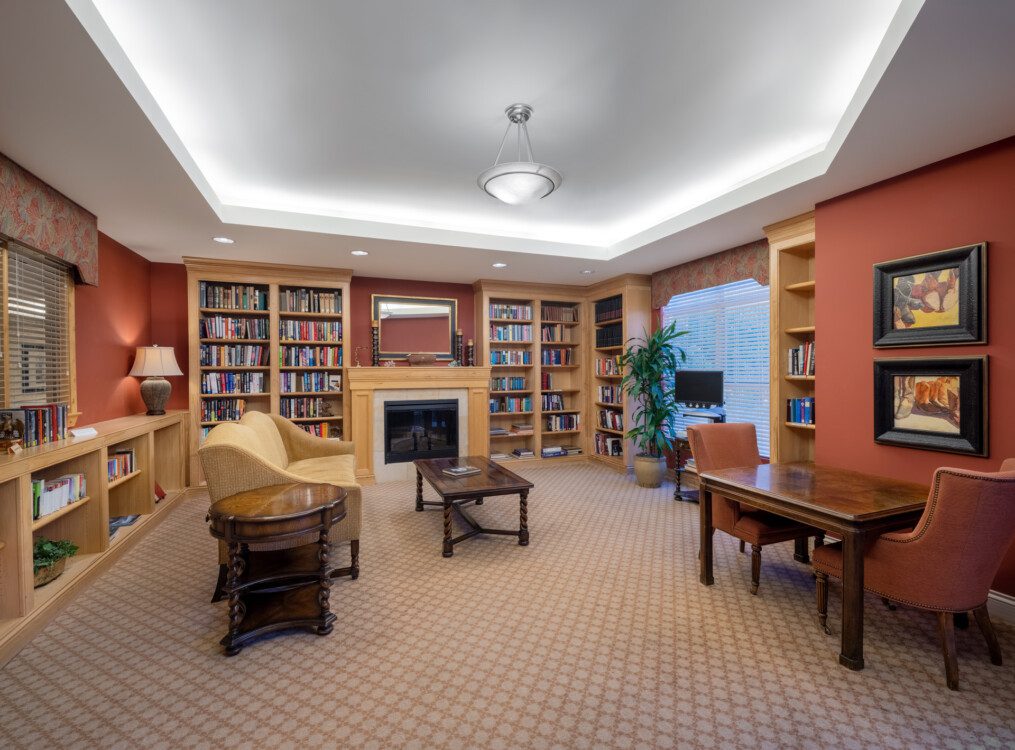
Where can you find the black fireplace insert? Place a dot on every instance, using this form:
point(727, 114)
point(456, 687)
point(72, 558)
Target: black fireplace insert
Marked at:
point(420, 429)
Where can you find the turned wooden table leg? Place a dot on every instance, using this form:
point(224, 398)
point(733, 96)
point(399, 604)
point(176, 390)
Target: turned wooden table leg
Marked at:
point(523, 518)
point(705, 513)
point(419, 491)
point(237, 609)
point(851, 655)
point(449, 548)
point(324, 592)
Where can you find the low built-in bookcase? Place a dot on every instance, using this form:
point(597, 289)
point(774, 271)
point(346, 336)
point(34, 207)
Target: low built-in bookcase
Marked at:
point(159, 447)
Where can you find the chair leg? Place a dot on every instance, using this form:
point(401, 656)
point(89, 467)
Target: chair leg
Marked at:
point(888, 604)
point(987, 628)
point(946, 629)
point(821, 590)
point(742, 545)
point(755, 567)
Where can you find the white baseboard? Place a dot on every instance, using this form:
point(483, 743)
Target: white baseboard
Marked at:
point(1001, 607)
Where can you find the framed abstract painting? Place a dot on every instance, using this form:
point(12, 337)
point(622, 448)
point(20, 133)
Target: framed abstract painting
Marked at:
point(937, 299)
point(935, 403)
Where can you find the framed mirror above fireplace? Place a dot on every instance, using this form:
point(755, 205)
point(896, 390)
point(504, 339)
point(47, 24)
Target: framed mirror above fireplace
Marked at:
point(411, 325)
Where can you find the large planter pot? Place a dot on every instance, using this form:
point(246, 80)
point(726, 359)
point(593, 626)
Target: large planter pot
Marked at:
point(649, 471)
point(50, 572)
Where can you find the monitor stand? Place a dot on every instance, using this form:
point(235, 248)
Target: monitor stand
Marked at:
point(715, 414)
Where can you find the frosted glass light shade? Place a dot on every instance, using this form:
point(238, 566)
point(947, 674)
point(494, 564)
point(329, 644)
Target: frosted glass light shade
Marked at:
point(155, 361)
point(519, 182)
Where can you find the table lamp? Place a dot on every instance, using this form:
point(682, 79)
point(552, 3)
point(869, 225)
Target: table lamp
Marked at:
point(153, 363)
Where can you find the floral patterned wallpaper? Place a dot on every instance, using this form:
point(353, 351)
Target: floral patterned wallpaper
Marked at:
point(748, 261)
point(38, 216)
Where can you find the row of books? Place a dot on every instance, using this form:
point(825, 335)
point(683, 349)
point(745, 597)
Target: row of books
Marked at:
point(611, 419)
point(608, 366)
point(310, 356)
point(310, 300)
point(609, 309)
point(523, 453)
point(232, 296)
point(610, 394)
point(29, 426)
point(120, 463)
point(213, 383)
point(310, 330)
point(800, 359)
point(510, 404)
point(605, 445)
point(517, 429)
point(318, 382)
point(557, 356)
point(322, 429)
point(553, 402)
point(508, 384)
point(510, 312)
point(555, 332)
point(234, 355)
point(560, 313)
point(563, 422)
point(50, 495)
point(556, 451)
point(222, 409)
point(800, 410)
point(304, 407)
point(546, 381)
point(612, 335)
point(511, 357)
point(511, 332)
point(222, 327)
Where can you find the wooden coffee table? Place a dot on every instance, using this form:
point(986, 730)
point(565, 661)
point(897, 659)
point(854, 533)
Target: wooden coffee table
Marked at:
point(456, 492)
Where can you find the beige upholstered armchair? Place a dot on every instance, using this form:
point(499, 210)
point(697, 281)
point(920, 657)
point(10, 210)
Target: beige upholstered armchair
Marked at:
point(262, 450)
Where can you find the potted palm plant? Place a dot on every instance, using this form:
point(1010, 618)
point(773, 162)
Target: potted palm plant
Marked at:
point(649, 363)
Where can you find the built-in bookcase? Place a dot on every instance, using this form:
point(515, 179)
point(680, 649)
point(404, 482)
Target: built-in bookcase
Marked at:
point(561, 401)
point(509, 331)
point(268, 338)
point(791, 269)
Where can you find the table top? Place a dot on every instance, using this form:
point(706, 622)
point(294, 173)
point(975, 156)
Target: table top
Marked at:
point(493, 479)
point(278, 501)
point(848, 495)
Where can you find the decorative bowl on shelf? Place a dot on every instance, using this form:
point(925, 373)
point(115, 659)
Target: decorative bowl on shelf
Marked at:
point(422, 359)
point(50, 572)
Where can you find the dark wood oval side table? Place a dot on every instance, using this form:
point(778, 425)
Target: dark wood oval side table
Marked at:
point(289, 586)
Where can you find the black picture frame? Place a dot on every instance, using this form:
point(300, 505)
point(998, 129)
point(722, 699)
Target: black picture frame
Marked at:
point(971, 438)
point(971, 261)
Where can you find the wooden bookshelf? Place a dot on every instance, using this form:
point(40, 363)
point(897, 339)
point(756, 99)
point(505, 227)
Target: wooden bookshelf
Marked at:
point(160, 457)
point(279, 311)
point(791, 262)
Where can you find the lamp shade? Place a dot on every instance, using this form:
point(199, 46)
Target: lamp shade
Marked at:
point(155, 360)
point(516, 183)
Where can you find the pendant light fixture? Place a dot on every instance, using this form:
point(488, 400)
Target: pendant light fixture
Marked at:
point(518, 182)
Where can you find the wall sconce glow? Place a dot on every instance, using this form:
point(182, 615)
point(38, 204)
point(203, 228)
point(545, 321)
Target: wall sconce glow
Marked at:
point(500, 265)
point(360, 252)
point(224, 240)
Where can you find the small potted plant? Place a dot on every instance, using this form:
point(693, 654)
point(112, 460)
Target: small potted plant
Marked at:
point(50, 558)
point(649, 364)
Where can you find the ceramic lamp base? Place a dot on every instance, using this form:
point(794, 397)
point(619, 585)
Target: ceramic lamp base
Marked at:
point(155, 393)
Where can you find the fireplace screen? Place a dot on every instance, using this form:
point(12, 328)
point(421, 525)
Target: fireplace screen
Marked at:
point(420, 429)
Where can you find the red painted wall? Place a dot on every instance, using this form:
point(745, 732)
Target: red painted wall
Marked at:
point(360, 307)
point(168, 311)
point(959, 201)
point(111, 320)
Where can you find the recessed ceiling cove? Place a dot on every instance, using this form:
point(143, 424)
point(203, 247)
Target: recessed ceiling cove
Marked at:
point(373, 119)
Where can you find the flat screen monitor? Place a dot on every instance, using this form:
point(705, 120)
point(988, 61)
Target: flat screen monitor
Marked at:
point(699, 387)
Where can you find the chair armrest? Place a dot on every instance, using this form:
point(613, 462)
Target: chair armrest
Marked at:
point(300, 444)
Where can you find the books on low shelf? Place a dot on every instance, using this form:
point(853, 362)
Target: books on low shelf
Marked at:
point(557, 451)
point(800, 410)
point(500, 456)
point(611, 419)
point(606, 445)
point(118, 522)
point(499, 431)
point(523, 453)
point(50, 495)
point(800, 359)
point(120, 463)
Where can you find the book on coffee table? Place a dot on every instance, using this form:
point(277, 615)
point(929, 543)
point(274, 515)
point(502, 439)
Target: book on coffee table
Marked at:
point(461, 471)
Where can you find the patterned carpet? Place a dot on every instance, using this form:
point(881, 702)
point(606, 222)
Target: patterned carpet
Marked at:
point(596, 635)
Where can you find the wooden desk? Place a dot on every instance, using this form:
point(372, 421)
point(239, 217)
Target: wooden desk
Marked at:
point(852, 505)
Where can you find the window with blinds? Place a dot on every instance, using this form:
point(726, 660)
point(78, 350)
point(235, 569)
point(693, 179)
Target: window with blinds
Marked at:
point(728, 330)
point(35, 350)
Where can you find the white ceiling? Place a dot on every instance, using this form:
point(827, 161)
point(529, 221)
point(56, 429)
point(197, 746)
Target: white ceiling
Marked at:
point(238, 118)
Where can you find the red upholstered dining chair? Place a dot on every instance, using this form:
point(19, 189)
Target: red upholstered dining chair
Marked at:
point(729, 446)
point(947, 562)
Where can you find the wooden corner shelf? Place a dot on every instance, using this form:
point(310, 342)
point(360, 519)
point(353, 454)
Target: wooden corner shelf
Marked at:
point(43, 521)
point(803, 378)
point(114, 483)
point(803, 287)
point(799, 425)
point(800, 329)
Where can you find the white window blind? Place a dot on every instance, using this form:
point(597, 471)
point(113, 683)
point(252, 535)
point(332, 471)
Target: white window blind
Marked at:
point(728, 331)
point(36, 362)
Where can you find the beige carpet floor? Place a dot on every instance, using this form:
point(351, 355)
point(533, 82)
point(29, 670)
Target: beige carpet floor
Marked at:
point(596, 635)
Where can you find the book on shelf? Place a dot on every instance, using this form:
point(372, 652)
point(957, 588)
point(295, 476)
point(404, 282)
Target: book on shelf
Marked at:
point(310, 300)
point(290, 329)
point(508, 384)
point(312, 382)
point(521, 426)
point(29, 426)
point(611, 419)
point(609, 309)
point(234, 355)
point(607, 366)
point(222, 409)
point(800, 359)
point(304, 407)
point(498, 431)
point(557, 333)
point(608, 446)
point(309, 356)
point(610, 394)
point(552, 402)
point(510, 311)
point(510, 404)
point(800, 410)
point(120, 463)
point(573, 450)
point(611, 335)
point(499, 456)
point(225, 327)
point(557, 356)
point(232, 383)
point(511, 357)
point(552, 452)
point(559, 313)
point(514, 332)
point(461, 471)
point(232, 296)
point(118, 522)
point(523, 453)
point(50, 495)
point(330, 430)
point(563, 422)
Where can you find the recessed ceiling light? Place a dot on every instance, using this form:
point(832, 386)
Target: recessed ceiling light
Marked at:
point(588, 271)
point(500, 265)
point(224, 240)
point(360, 252)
